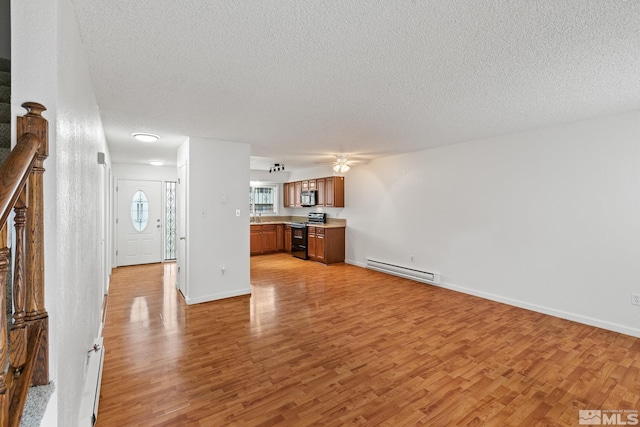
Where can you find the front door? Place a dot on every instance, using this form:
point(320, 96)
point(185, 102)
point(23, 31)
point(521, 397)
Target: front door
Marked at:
point(139, 222)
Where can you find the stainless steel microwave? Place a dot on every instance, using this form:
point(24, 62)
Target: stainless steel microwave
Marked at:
point(308, 198)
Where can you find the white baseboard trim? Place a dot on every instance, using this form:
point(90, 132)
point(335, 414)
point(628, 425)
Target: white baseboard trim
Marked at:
point(356, 263)
point(217, 296)
point(587, 320)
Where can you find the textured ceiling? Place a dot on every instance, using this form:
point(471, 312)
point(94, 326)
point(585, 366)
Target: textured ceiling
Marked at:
point(301, 79)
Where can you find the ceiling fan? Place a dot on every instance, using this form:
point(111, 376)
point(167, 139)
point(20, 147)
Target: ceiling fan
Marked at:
point(344, 162)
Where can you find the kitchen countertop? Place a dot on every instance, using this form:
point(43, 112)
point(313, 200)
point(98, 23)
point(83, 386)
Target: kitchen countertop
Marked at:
point(326, 225)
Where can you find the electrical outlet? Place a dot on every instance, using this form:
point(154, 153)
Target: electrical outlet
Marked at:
point(412, 258)
point(223, 270)
point(635, 298)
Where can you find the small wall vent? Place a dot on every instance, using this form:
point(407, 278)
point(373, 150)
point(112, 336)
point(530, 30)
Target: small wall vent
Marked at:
point(408, 273)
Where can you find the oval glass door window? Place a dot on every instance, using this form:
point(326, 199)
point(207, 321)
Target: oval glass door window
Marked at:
point(139, 211)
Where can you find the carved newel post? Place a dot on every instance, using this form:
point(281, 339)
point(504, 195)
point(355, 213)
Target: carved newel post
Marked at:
point(34, 123)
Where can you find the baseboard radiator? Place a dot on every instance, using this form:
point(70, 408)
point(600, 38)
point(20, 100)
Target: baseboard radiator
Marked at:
point(398, 270)
point(91, 394)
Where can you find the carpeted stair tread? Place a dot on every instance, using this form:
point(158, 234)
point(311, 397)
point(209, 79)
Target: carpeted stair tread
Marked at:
point(36, 405)
point(5, 135)
point(5, 78)
point(5, 94)
point(5, 113)
point(4, 153)
point(5, 65)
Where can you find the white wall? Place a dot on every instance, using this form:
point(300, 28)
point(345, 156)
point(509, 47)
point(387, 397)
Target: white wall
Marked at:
point(546, 219)
point(310, 173)
point(49, 66)
point(145, 172)
point(266, 177)
point(34, 78)
point(218, 185)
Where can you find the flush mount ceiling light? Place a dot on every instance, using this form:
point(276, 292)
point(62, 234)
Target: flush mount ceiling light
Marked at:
point(157, 162)
point(146, 137)
point(277, 167)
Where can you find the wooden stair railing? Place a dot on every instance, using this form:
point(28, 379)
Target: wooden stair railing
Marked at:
point(24, 343)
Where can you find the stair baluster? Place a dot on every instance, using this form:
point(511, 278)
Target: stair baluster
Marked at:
point(5, 398)
point(21, 190)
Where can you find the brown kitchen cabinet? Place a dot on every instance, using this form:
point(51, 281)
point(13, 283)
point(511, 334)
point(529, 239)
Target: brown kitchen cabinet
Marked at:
point(311, 243)
point(297, 200)
point(309, 184)
point(280, 237)
point(269, 238)
point(334, 191)
point(320, 196)
point(289, 195)
point(285, 194)
point(287, 238)
point(330, 192)
point(263, 239)
point(292, 195)
point(255, 240)
point(326, 245)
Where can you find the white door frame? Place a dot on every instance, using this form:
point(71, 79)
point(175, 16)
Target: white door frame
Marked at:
point(106, 228)
point(182, 192)
point(155, 225)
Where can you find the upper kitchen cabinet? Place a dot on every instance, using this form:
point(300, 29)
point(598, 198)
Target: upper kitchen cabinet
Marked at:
point(320, 199)
point(309, 185)
point(289, 195)
point(297, 201)
point(285, 194)
point(334, 192)
point(329, 192)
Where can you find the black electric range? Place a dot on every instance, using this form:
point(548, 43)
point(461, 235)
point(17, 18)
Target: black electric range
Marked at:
point(299, 234)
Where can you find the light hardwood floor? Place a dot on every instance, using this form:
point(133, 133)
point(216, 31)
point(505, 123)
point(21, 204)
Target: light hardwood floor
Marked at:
point(341, 345)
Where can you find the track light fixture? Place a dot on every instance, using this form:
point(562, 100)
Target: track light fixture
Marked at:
point(277, 167)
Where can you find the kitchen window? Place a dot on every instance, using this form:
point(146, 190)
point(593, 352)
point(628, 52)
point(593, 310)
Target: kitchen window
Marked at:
point(263, 199)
